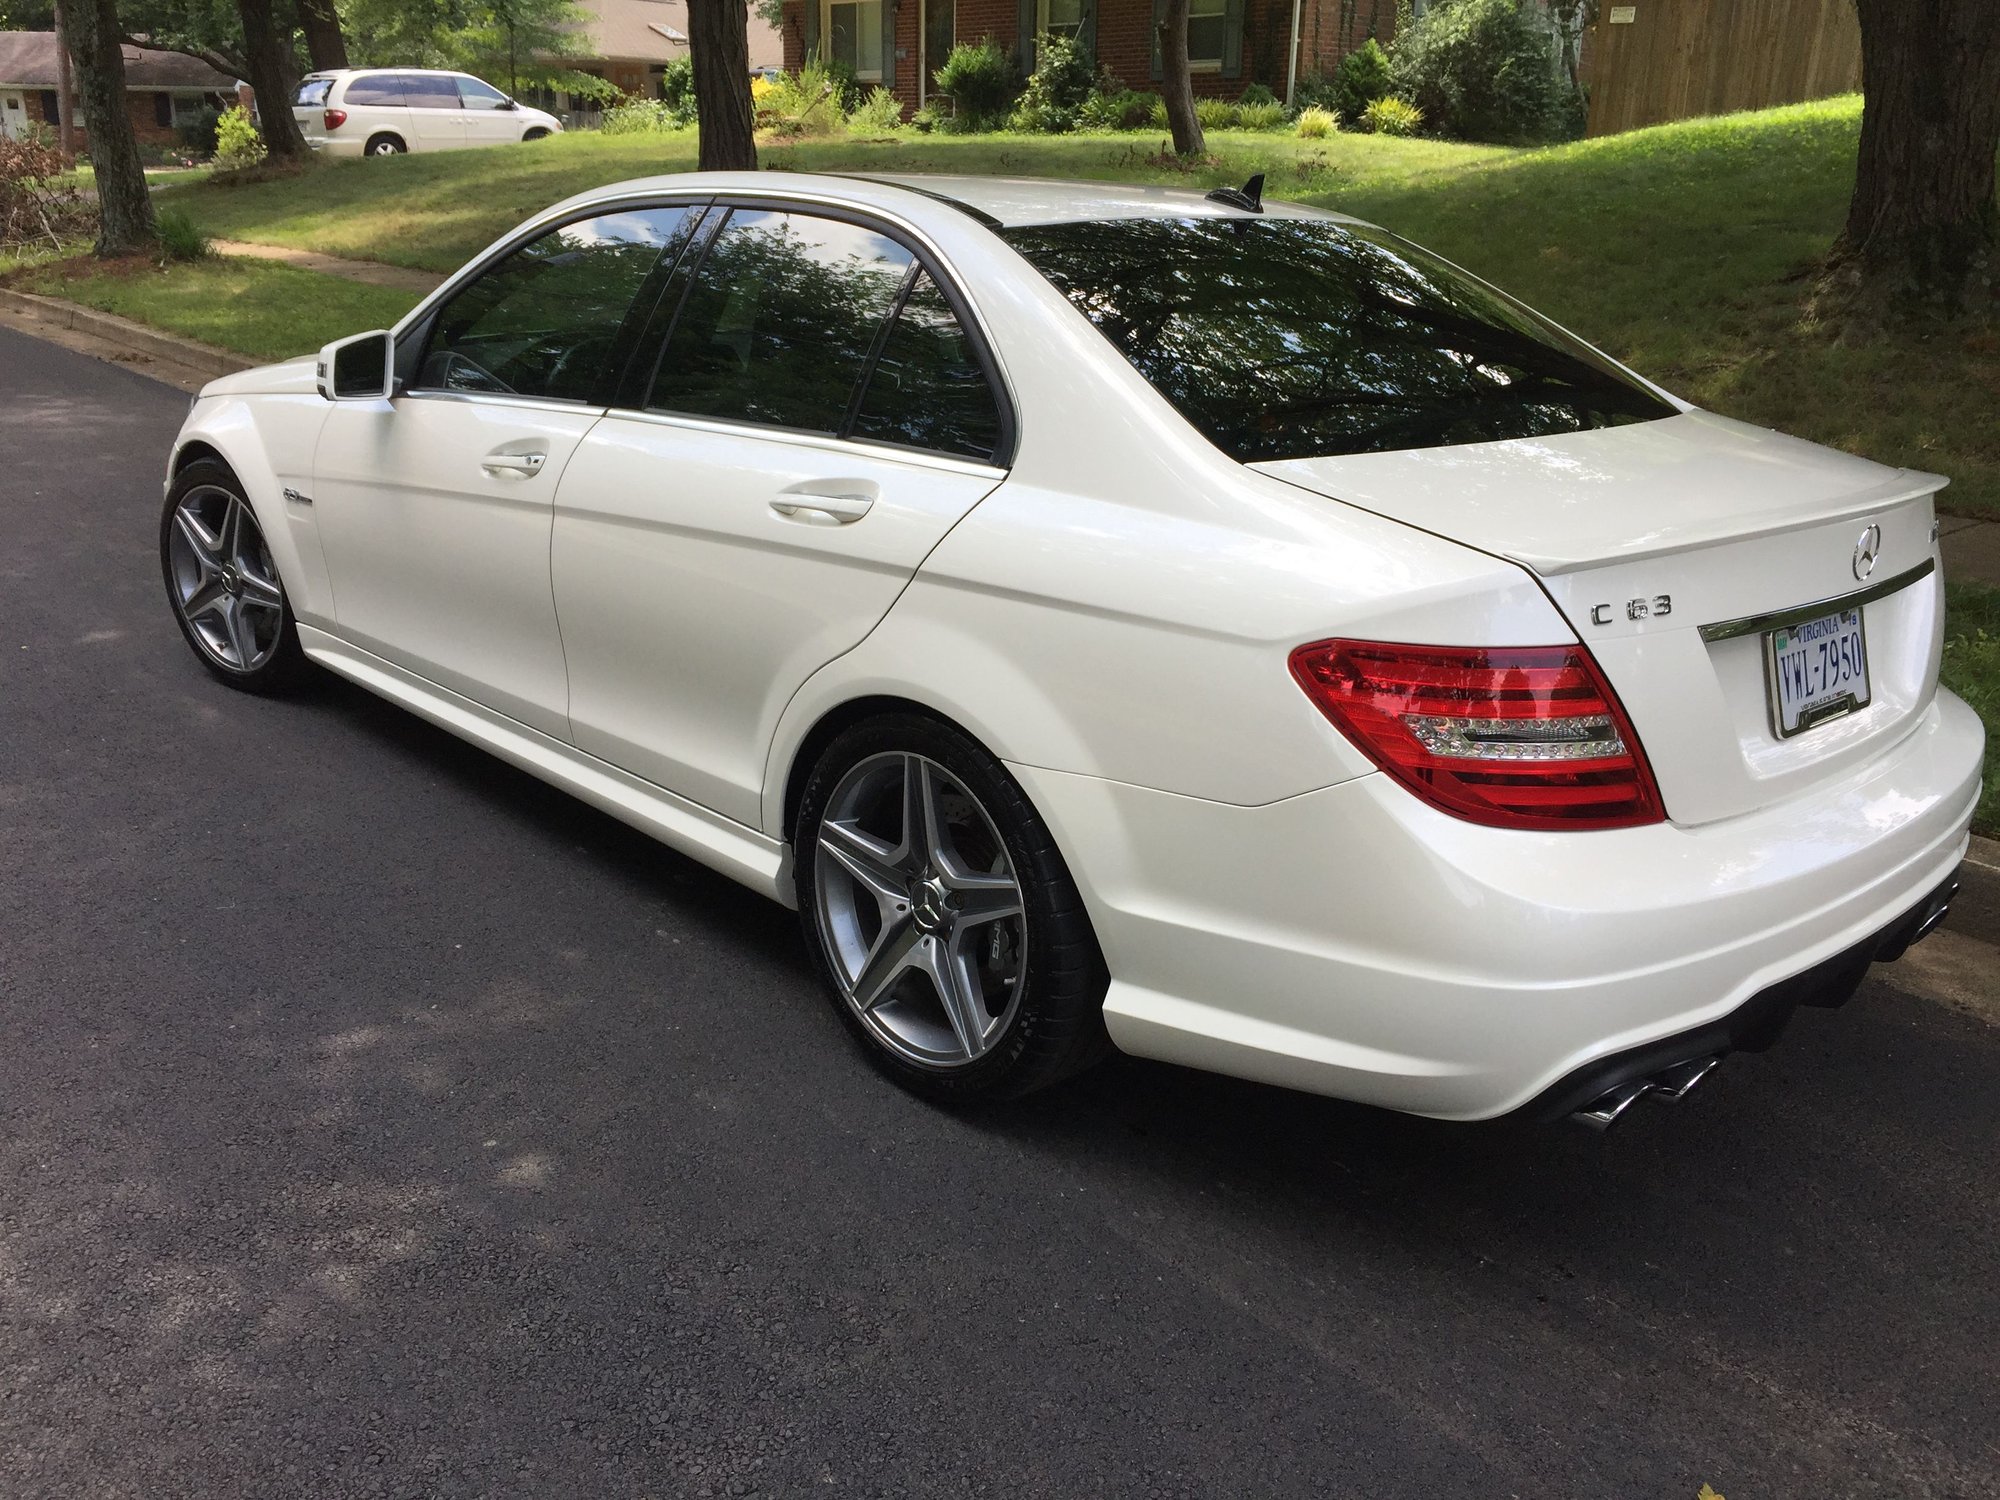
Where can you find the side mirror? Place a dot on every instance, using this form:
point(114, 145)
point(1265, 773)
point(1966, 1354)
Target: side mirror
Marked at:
point(358, 369)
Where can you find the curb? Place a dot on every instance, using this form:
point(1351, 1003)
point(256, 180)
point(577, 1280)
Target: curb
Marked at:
point(136, 337)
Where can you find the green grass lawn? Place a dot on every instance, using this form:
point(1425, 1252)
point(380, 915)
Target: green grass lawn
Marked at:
point(256, 308)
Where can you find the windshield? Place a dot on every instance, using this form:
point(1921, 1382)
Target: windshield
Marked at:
point(1300, 338)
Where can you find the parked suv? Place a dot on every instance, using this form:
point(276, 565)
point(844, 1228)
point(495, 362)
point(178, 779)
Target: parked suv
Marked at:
point(385, 111)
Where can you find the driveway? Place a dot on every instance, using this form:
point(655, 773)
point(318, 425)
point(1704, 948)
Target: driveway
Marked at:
point(374, 1120)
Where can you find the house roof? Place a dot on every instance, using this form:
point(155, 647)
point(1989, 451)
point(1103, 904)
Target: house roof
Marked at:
point(28, 59)
point(638, 30)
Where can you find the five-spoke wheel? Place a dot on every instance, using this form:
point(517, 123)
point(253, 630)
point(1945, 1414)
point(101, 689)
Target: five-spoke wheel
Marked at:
point(222, 581)
point(944, 920)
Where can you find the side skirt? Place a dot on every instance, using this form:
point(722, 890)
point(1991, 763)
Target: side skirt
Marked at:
point(725, 846)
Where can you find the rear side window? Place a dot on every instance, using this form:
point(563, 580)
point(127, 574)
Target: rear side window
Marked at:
point(429, 91)
point(780, 320)
point(546, 320)
point(927, 389)
point(1296, 338)
point(313, 92)
point(375, 88)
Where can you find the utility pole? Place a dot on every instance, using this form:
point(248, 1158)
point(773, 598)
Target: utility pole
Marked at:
point(65, 89)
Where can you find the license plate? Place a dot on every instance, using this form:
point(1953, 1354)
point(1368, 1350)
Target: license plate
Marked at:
point(1818, 670)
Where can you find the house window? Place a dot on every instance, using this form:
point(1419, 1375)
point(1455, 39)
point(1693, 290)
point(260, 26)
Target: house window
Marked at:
point(188, 109)
point(1060, 18)
point(853, 33)
point(1208, 28)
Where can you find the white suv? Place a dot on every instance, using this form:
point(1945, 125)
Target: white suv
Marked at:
point(385, 111)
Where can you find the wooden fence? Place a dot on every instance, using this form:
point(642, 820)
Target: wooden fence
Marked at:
point(1658, 60)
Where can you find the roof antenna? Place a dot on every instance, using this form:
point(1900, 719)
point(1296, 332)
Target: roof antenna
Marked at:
point(1249, 197)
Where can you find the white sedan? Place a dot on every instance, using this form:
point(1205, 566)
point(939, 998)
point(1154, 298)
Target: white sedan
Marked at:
point(1214, 628)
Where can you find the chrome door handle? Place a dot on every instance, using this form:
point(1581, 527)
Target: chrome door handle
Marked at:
point(841, 508)
point(524, 464)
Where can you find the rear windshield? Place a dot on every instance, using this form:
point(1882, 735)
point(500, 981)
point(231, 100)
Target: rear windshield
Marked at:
point(313, 92)
point(1300, 338)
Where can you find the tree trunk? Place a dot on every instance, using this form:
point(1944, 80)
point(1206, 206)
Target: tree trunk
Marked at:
point(65, 90)
point(1177, 83)
point(326, 47)
point(719, 44)
point(267, 50)
point(124, 211)
point(1922, 223)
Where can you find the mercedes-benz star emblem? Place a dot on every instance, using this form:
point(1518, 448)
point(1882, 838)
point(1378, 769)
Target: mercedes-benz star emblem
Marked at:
point(1865, 550)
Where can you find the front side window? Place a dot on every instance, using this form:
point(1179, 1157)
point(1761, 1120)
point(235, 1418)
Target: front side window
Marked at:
point(1296, 338)
point(375, 88)
point(853, 31)
point(927, 389)
point(476, 95)
point(545, 320)
point(780, 320)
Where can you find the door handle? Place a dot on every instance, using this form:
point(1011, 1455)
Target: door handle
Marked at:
point(524, 464)
point(804, 504)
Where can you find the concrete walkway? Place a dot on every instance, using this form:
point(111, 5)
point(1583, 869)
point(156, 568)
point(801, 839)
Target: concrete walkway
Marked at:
point(373, 272)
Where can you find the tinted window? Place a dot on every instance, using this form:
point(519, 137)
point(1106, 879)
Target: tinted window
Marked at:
point(1286, 338)
point(313, 92)
point(927, 389)
point(375, 88)
point(429, 91)
point(477, 95)
point(545, 320)
point(780, 320)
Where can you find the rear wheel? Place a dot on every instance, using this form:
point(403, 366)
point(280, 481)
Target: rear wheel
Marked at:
point(941, 917)
point(223, 584)
point(386, 145)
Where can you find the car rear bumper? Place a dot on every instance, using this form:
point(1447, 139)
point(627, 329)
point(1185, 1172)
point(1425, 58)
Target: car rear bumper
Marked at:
point(338, 145)
point(1355, 942)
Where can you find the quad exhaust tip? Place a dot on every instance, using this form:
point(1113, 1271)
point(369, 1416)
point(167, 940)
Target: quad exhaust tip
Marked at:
point(1669, 1083)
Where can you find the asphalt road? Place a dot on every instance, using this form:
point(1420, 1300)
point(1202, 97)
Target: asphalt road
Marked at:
point(374, 1120)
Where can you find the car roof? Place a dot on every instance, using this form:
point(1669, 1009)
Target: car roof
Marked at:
point(357, 72)
point(998, 202)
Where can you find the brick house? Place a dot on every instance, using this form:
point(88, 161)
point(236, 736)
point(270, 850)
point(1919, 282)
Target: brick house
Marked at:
point(164, 89)
point(1232, 43)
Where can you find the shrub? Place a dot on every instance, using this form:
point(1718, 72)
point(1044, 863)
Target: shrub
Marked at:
point(1361, 79)
point(1257, 93)
point(847, 89)
point(677, 90)
point(39, 201)
point(1315, 91)
point(1481, 70)
point(804, 103)
point(1125, 109)
point(880, 112)
point(181, 238)
point(237, 144)
point(199, 138)
point(1316, 123)
point(641, 117)
point(982, 81)
point(1392, 116)
point(1063, 79)
point(1215, 114)
point(1270, 116)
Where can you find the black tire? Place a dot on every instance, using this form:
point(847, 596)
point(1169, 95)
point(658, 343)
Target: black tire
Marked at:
point(386, 144)
point(1057, 1026)
point(286, 664)
point(538, 133)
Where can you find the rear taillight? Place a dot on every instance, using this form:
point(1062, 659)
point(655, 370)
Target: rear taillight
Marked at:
point(335, 118)
point(1516, 736)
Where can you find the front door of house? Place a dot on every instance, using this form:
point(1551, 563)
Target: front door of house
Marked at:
point(940, 36)
point(13, 116)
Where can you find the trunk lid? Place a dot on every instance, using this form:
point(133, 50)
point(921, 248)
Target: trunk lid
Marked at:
point(1672, 548)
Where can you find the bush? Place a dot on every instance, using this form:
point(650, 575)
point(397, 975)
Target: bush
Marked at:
point(1361, 79)
point(1481, 70)
point(1064, 78)
point(181, 238)
point(39, 201)
point(982, 82)
point(1123, 109)
point(199, 138)
point(805, 103)
point(880, 112)
point(237, 144)
point(677, 90)
point(1215, 114)
point(641, 117)
point(1257, 93)
point(1316, 123)
point(1270, 116)
point(1392, 116)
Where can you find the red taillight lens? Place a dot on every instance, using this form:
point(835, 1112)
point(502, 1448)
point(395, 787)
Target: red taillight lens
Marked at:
point(335, 118)
point(1515, 736)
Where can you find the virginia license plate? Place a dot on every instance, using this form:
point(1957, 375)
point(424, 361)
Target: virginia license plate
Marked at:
point(1818, 671)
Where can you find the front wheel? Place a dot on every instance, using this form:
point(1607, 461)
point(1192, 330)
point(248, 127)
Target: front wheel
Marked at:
point(538, 133)
point(941, 917)
point(222, 583)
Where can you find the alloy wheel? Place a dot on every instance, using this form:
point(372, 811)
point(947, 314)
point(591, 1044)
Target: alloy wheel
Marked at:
point(225, 585)
point(920, 910)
